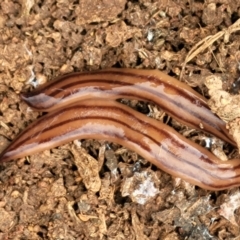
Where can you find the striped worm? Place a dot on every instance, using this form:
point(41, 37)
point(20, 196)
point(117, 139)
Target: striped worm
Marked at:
point(112, 121)
point(173, 96)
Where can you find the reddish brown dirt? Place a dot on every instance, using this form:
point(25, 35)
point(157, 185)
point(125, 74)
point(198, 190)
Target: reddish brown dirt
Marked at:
point(100, 190)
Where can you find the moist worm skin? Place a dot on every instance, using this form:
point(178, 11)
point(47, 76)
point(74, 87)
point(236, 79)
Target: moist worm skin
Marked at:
point(173, 96)
point(112, 121)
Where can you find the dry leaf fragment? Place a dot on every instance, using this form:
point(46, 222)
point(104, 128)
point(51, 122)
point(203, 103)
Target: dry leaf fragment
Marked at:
point(138, 226)
point(225, 105)
point(228, 208)
point(141, 186)
point(87, 167)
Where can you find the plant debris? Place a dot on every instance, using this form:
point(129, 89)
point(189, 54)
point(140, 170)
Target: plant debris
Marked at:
point(97, 189)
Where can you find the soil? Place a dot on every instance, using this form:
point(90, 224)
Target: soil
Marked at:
point(96, 189)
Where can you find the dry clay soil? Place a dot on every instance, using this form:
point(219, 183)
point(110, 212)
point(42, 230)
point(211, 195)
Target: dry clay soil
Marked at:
point(97, 189)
